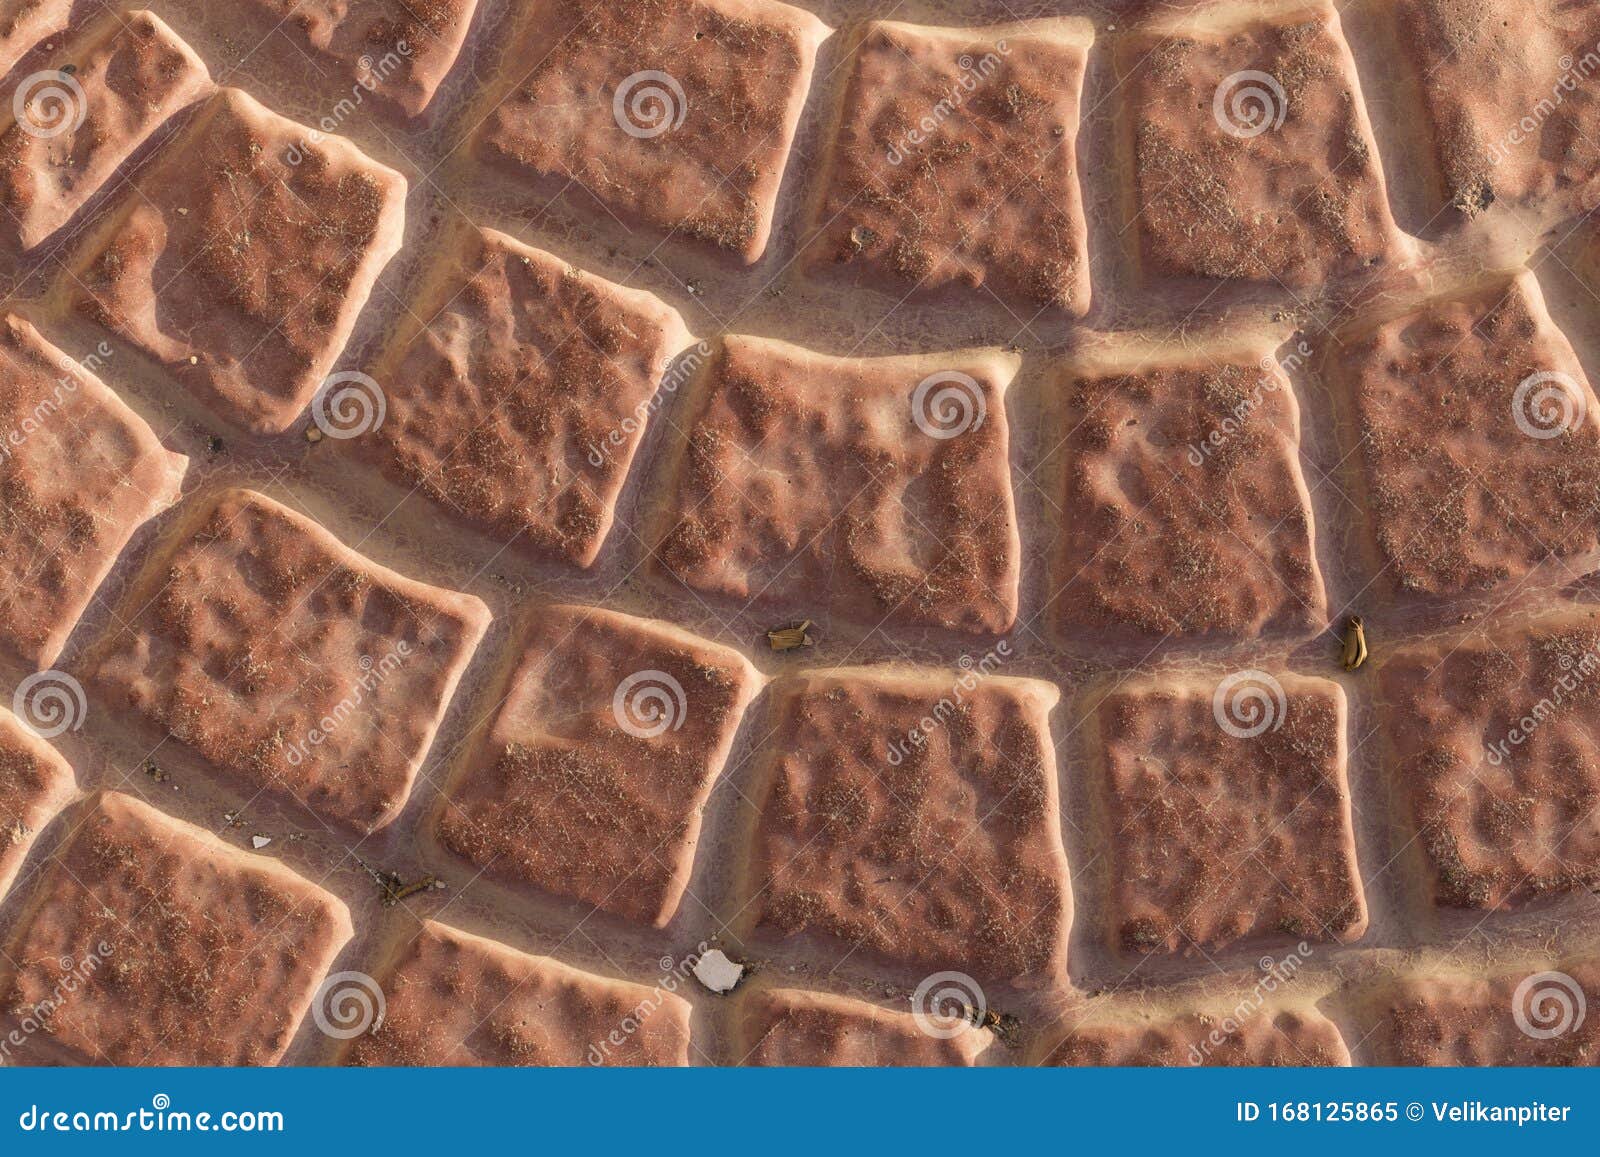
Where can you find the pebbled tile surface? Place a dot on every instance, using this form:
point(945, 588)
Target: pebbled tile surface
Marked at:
point(287, 659)
point(72, 490)
point(710, 532)
point(932, 845)
point(990, 197)
point(184, 950)
point(593, 777)
point(1227, 812)
point(881, 486)
point(455, 999)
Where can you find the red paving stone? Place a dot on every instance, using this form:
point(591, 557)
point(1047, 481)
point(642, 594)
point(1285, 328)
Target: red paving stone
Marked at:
point(1102, 492)
point(954, 162)
point(520, 403)
point(193, 266)
point(401, 49)
point(35, 784)
point(1509, 112)
point(131, 73)
point(792, 1027)
point(1184, 512)
point(321, 675)
point(456, 999)
point(912, 816)
point(79, 473)
point(1541, 1014)
point(1475, 438)
point(591, 781)
point(1249, 1028)
point(878, 487)
point(1249, 157)
point(676, 113)
point(1487, 738)
point(183, 951)
point(1227, 812)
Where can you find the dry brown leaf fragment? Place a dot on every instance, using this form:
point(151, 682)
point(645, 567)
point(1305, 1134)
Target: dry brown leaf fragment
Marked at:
point(791, 638)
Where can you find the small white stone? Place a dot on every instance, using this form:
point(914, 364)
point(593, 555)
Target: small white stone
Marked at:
point(259, 842)
point(717, 972)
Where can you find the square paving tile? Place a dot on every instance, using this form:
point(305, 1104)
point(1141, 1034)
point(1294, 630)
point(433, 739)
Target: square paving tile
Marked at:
point(287, 659)
point(150, 942)
point(592, 778)
point(518, 391)
point(454, 999)
point(399, 49)
point(1475, 439)
point(954, 163)
point(1227, 812)
point(680, 117)
point(1184, 512)
point(1537, 1015)
point(877, 488)
point(1505, 100)
point(126, 74)
point(79, 473)
point(911, 815)
point(1252, 1028)
point(1250, 156)
point(241, 258)
point(35, 784)
point(1489, 738)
